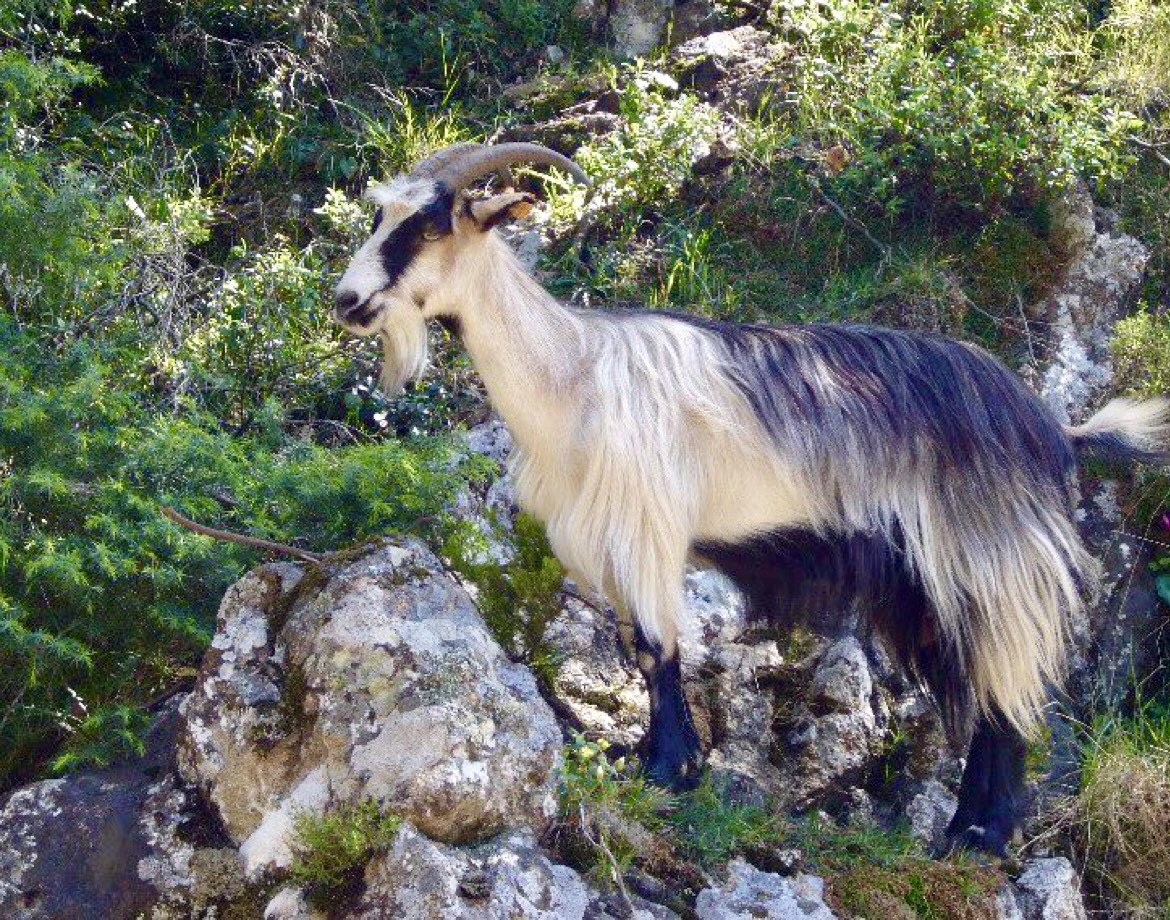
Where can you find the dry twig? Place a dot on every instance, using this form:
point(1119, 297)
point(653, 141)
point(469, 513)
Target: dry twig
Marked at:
point(226, 535)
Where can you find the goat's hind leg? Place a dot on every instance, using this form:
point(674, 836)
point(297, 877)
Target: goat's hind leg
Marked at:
point(992, 796)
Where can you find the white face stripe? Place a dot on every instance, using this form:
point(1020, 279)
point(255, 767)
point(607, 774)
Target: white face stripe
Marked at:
point(366, 275)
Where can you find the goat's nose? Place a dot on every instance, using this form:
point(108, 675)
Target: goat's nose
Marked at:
point(344, 302)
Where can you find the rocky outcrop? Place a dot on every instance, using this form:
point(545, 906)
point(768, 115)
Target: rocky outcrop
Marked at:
point(639, 26)
point(736, 69)
point(749, 893)
point(376, 682)
point(124, 842)
point(1101, 269)
point(1046, 889)
point(68, 847)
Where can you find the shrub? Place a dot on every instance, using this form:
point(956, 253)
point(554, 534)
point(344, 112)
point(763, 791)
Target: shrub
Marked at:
point(613, 808)
point(103, 602)
point(962, 103)
point(1141, 348)
point(330, 850)
point(1119, 817)
point(518, 598)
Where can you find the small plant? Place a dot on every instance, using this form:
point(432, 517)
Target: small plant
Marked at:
point(518, 598)
point(710, 829)
point(615, 810)
point(102, 737)
point(332, 849)
point(1118, 819)
point(871, 873)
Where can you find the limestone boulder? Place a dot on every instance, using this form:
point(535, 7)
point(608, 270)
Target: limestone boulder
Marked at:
point(368, 679)
point(749, 893)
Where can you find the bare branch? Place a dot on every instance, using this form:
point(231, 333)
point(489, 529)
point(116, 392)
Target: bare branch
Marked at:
point(282, 549)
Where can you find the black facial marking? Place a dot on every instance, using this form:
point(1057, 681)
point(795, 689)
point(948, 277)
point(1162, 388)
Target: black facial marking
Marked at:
point(377, 222)
point(405, 240)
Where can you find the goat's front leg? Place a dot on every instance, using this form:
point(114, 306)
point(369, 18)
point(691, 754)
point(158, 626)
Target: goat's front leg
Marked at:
point(670, 749)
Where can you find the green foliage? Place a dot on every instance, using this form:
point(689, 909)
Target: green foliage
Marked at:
point(1118, 818)
point(105, 603)
point(518, 598)
point(97, 740)
point(710, 829)
point(873, 874)
point(332, 849)
point(964, 102)
point(1161, 568)
point(1141, 349)
point(610, 804)
point(590, 780)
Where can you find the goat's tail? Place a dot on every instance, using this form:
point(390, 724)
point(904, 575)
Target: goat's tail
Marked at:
point(1126, 429)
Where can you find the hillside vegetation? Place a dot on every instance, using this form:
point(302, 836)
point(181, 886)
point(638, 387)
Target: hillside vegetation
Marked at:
point(180, 186)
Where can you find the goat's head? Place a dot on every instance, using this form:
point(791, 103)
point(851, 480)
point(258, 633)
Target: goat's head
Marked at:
point(424, 220)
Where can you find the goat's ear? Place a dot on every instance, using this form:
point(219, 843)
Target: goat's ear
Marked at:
point(499, 208)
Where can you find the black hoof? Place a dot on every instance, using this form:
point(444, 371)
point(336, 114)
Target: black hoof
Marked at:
point(977, 839)
point(673, 773)
point(671, 761)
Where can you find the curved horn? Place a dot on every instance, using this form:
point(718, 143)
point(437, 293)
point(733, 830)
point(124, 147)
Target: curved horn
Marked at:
point(443, 158)
point(475, 164)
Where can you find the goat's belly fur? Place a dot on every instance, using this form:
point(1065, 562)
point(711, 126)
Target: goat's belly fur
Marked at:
point(827, 582)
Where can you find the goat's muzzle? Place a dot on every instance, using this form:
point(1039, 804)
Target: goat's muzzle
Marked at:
point(351, 312)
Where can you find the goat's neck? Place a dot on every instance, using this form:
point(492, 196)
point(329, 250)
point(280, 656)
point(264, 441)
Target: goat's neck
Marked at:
point(527, 346)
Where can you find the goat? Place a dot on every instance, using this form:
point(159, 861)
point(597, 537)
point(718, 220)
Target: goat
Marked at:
point(821, 467)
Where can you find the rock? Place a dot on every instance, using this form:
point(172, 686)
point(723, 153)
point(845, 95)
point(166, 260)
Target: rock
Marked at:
point(506, 878)
point(1007, 905)
point(1048, 889)
point(76, 846)
point(929, 813)
point(696, 17)
point(638, 26)
point(373, 680)
point(597, 682)
point(736, 68)
point(68, 847)
point(1102, 268)
point(290, 904)
point(1119, 639)
point(835, 733)
point(842, 682)
point(749, 893)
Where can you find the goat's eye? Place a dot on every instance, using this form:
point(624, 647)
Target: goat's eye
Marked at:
point(431, 234)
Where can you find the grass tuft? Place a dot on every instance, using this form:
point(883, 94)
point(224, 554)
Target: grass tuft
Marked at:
point(1119, 818)
point(332, 849)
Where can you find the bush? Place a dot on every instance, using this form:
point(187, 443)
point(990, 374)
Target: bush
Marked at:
point(1118, 819)
point(518, 598)
point(104, 603)
point(953, 104)
point(330, 850)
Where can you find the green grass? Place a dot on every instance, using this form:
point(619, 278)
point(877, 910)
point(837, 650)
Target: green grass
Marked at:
point(874, 874)
point(709, 829)
point(1118, 819)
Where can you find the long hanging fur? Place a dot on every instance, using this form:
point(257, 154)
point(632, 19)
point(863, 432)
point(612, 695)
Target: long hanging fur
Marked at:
point(817, 464)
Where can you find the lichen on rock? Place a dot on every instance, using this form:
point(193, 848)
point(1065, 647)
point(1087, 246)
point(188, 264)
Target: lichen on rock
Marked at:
point(403, 698)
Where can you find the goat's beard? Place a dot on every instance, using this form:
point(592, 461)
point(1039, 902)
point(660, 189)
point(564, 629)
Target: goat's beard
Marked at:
point(404, 348)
